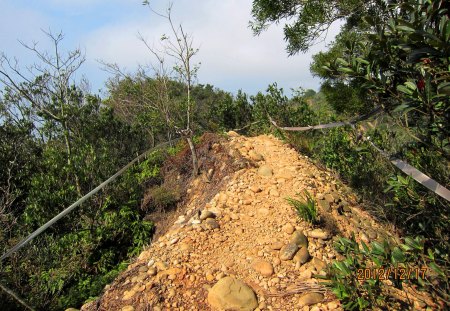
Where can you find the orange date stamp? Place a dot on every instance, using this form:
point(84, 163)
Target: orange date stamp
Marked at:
point(390, 273)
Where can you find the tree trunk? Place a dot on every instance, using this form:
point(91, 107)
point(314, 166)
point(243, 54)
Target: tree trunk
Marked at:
point(69, 159)
point(194, 156)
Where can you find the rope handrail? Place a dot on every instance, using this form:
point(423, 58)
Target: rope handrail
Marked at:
point(406, 168)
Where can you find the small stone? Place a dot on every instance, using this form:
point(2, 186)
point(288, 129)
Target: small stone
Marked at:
point(288, 228)
point(332, 305)
point(255, 156)
point(255, 189)
point(127, 308)
point(161, 266)
point(265, 171)
point(325, 205)
point(211, 223)
point(274, 193)
point(307, 274)
point(329, 198)
point(263, 211)
point(207, 214)
point(302, 256)
point(299, 238)
point(318, 234)
point(288, 251)
point(173, 241)
point(318, 264)
point(310, 299)
point(143, 269)
point(276, 261)
point(209, 276)
point(263, 267)
point(128, 294)
point(277, 245)
point(232, 294)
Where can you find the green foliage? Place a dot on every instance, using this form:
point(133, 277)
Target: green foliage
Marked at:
point(404, 67)
point(163, 198)
point(358, 289)
point(308, 21)
point(306, 208)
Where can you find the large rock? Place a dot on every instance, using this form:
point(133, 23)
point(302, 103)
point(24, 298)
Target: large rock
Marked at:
point(299, 238)
point(232, 294)
point(288, 251)
point(310, 299)
point(265, 171)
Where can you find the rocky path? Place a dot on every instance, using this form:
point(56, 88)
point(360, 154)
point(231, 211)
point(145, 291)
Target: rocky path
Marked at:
point(246, 249)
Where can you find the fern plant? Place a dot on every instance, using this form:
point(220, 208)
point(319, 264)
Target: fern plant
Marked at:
point(306, 208)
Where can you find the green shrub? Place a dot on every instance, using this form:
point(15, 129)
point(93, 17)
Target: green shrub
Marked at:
point(161, 198)
point(306, 208)
point(357, 290)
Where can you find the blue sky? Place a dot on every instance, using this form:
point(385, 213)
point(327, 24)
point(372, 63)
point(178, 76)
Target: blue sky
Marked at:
point(231, 57)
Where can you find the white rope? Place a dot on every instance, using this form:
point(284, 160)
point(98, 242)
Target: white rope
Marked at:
point(409, 170)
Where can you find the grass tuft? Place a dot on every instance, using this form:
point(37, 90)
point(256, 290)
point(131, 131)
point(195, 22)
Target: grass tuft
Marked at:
point(306, 208)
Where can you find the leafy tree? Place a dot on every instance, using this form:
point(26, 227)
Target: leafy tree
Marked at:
point(405, 69)
point(308, 21)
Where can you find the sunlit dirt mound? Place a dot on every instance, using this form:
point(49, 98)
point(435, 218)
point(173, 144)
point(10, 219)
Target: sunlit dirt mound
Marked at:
point(234, 242)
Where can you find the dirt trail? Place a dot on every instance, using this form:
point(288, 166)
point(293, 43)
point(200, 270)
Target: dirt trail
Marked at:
point(250, 239)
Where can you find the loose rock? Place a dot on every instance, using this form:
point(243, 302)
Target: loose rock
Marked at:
point(265, 171)
point(318, 234)
point(232, 294)
point(263, 267)
point(302, 256)
point(211, 223)
point(310, 299)
point(206, 214)
point(288, 228)
point(288, 251)
point(299, 238)
point(255, 156)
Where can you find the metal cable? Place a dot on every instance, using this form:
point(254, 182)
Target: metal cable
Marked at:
point(409, 170)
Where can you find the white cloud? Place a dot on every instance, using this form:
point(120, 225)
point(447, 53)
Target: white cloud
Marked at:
point(231, 57)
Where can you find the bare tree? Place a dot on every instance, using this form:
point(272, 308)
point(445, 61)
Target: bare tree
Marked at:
point(152, 97)
point(44, 90)
point(180, 48)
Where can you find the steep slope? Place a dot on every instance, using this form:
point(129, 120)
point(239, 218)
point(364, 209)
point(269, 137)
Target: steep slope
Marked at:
point(246, 248)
